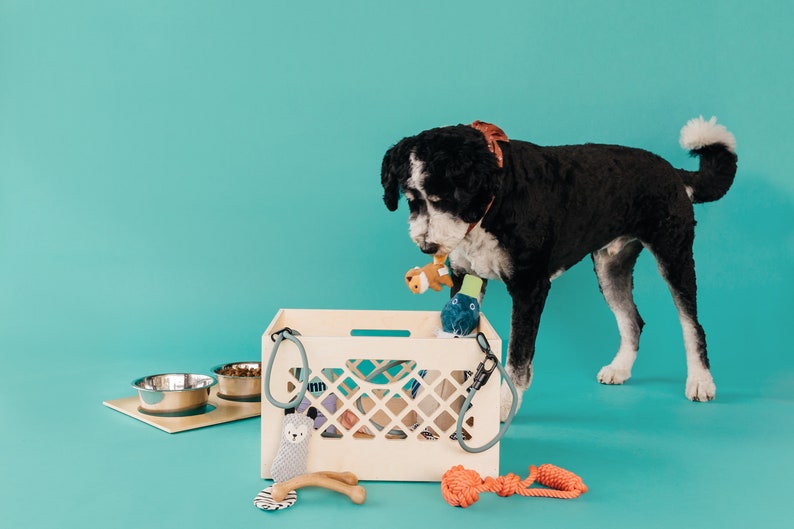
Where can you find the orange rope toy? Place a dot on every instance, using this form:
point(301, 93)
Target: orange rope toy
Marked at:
point(461, 487)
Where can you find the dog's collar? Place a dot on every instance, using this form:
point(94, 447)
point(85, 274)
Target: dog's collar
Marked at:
point(474, 224)
point(493, 134)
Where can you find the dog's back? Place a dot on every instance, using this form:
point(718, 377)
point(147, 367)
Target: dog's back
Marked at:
point(584, 196)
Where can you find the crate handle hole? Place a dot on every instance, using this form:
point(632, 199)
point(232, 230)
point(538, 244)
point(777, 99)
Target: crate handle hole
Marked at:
point(381, 333)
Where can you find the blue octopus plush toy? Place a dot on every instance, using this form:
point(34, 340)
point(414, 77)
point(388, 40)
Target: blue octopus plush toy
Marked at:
point(461, 314)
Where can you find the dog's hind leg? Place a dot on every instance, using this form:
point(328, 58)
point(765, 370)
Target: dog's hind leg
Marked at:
point(673, 254)
point(614, 270)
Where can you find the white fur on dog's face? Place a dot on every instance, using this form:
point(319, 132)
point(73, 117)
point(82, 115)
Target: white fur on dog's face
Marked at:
point(429, 226)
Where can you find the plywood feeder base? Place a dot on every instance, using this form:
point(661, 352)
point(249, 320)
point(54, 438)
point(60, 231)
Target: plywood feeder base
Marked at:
point(219, 410)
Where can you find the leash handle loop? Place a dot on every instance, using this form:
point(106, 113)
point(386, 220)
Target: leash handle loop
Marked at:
point(278, 337)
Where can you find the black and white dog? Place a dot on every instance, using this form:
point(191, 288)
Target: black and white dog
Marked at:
point(523, 214)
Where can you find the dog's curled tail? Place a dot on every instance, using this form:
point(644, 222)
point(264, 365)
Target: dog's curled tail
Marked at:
point(716, 148)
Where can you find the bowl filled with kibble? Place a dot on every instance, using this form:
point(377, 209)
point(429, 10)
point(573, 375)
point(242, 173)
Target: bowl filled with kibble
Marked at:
point(239, 381)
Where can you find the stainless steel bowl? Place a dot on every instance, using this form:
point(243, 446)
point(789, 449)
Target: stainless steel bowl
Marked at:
point(236, 387)
point(173, 393)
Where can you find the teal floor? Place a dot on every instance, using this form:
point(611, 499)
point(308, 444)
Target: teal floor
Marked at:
point(649, 457)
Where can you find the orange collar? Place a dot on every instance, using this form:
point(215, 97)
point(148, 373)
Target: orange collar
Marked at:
point(493, 134)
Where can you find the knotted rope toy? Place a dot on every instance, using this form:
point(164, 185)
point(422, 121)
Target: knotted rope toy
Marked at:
point(461, 487)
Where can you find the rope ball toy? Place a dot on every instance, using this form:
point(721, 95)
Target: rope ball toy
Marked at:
point(461, 487)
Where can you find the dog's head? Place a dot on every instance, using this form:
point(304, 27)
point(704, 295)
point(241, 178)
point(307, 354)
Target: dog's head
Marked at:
point(449, 176)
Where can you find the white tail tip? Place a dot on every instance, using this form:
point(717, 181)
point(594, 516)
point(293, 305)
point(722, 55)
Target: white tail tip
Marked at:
point(699, 133)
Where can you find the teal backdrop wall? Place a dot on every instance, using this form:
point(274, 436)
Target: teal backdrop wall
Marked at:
point(174, 172)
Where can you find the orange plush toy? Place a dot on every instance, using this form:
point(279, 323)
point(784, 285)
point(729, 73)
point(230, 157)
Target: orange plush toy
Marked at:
point(432, 275)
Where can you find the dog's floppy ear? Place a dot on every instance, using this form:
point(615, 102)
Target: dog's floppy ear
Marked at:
point(474, 172)
point(396, 168)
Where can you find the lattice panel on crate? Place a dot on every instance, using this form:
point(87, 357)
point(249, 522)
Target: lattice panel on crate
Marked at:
point(384, 399)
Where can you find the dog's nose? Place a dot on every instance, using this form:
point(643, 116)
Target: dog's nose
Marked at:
point(429, 248)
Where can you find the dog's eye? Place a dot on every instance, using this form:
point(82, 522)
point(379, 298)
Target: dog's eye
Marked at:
point(434, 199)
point(471, 306)
point(416, 207)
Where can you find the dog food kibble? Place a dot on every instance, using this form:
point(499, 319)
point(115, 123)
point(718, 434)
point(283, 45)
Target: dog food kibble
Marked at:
point(239, 371)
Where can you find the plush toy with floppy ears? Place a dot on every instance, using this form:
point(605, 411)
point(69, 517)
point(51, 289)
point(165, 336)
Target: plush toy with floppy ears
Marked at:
point(432, 275)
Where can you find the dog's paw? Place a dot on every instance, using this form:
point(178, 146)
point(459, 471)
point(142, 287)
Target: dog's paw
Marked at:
point(613, 375)
point(507, 402)
point(700, 388)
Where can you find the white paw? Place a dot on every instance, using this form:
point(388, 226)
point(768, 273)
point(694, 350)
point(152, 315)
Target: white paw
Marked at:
point(613, 375)
point(700, 388)
point(507, 402)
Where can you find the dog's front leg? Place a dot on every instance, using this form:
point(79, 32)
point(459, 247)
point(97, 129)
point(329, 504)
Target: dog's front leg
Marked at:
point(529, 296)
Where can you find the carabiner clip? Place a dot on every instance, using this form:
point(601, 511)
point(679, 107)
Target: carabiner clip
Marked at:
point(483, 373)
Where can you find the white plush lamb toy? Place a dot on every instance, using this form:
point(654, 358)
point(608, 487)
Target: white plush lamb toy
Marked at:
point(293, 450)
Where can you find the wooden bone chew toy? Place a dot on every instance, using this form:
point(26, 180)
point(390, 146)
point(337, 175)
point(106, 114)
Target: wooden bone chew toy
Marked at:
point(343, 482)
point(432, 275)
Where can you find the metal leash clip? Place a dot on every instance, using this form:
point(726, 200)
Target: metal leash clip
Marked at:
point(482, 374)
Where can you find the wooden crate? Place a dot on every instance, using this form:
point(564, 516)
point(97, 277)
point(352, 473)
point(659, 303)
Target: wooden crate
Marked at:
point(389, 391)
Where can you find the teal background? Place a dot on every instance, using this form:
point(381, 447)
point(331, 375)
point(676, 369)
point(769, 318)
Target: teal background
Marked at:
point(172, 173)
